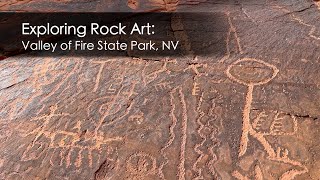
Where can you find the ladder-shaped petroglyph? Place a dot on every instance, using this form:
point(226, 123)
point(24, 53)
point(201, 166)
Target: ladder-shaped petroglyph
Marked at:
point(195, 88)
point(199, 69)
point(251, 73)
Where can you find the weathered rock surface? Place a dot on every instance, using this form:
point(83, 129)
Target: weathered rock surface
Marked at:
point(250, 111)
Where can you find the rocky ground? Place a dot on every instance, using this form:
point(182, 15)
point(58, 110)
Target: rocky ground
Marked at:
point(249, 110)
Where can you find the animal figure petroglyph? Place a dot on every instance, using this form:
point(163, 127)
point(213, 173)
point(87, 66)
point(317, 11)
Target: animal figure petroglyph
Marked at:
point(163, 86)
point(196, 67)
point(63, 144)
point(253, 72)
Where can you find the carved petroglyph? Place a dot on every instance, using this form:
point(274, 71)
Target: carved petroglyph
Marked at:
point(199, 69)
point(137, 118)
point(165, 106)
point(195, 89)
point(251, 77)
point(140, 165)
point(203, 136)
point(232, 33)
point(172, 134)
point(64, 144)
point(253, 72)
point(163, 86)
point(184, 124)
point(257, 174)
point(275, 123)
point(113, 107)
point(147, 78)
point(296, 18)
point(209, 126)
point(102, 64)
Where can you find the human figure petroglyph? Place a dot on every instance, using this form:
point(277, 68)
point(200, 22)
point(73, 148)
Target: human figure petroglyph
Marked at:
point(231, 32)
point(250, 83)
point(40, 78)
point(256, 73)
point(100, 72)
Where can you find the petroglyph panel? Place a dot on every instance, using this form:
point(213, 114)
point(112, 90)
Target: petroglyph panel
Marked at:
point(250, 111)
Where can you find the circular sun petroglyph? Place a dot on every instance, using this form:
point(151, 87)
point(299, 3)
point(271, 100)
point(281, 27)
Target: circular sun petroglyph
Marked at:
point(141, 164)
point(249, 71)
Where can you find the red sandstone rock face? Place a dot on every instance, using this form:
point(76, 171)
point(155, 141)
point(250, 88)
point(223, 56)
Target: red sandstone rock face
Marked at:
point(249, 111)
point(94, 5)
